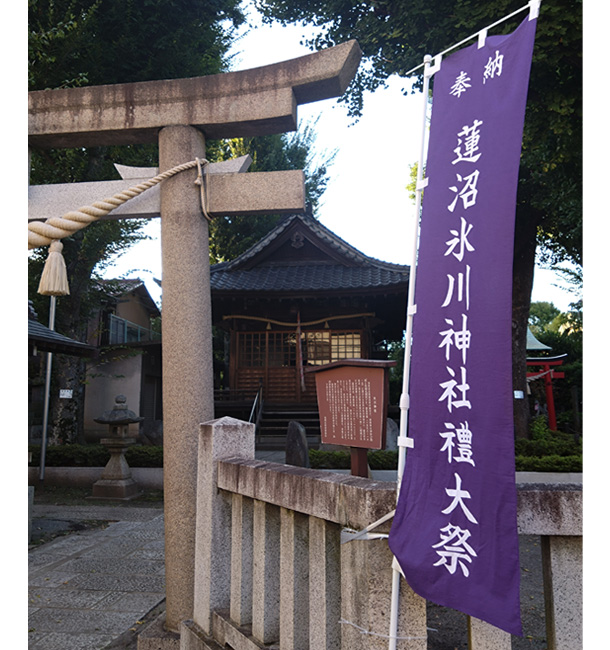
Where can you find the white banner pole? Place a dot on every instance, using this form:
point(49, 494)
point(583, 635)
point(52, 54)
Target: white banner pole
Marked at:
point(403, 441)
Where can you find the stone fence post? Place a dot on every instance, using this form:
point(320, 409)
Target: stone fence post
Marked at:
point(223, 438)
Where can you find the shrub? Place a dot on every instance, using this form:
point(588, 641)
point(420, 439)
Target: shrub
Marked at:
point(539, 448)
point(95, 456)
point(547, 451)
point(380, 459)
point(321, 459)
point(72, 455)
point(145, 456)
point(383, 459)
point(552, 463)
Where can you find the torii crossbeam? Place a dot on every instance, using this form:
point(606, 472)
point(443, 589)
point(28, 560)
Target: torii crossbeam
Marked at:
point(180, 114)
point(229, 192)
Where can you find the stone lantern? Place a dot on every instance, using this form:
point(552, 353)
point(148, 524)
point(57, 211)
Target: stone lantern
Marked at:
point(116, 481)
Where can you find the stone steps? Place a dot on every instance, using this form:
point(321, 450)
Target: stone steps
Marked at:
point(274, 425)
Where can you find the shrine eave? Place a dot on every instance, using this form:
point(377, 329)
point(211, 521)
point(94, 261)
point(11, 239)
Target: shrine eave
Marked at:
point(45, 339)
point(277, 280)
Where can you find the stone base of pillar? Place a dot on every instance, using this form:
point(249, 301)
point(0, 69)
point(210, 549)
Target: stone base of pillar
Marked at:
point(156, 637)
point(116, 489)
point(192, 637)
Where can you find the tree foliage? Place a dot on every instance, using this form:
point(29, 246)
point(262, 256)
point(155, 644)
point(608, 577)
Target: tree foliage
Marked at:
point(563, 333)
point(78, 42)
point(87, 42)
point(542, 314)
point(395, 36)
point(92, 42)
point(231, 236)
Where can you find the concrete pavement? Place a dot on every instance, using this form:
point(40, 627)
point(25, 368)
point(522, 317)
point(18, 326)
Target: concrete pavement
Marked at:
point(94, 587)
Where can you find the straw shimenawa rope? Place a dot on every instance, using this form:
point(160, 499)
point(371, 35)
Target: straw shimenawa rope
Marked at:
point(53, 281)
point(42, 233)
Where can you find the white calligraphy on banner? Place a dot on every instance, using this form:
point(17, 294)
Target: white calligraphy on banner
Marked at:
point(453, 548)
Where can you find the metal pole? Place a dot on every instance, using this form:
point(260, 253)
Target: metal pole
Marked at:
point(532, 5)
point(403, 440)
point(47, 387)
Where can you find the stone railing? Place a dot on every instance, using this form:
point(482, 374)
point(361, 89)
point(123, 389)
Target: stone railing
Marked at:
point(276, 564)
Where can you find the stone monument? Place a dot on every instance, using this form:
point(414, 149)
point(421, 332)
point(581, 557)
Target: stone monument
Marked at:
point(297, 450)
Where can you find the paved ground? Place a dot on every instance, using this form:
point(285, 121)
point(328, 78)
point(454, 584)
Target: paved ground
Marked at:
point(447, 629)
point(94, 586)
point(98, 588)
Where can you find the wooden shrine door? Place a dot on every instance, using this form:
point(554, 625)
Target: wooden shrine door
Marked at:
point(278, 359)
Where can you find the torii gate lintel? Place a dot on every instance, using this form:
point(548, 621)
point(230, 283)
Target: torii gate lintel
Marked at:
point(260, 101)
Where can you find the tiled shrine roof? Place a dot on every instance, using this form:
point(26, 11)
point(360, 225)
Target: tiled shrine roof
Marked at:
point(300, 254)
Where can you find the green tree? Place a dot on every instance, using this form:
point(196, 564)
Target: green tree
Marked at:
point(76, 43)
point(542, 314)
point(563, 333)
point(395, 36)
point(86, 42)
point(231, 236)
point(93, 42)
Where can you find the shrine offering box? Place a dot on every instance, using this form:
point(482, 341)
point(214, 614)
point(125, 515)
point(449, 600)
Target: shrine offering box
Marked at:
point(352, 400)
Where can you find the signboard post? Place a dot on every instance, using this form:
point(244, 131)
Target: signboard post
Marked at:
point(352, 400)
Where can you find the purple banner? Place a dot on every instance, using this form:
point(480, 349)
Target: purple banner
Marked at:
point(455, 530)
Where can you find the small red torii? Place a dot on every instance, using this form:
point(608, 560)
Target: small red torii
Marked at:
point(549, 374)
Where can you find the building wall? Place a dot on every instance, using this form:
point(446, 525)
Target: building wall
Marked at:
point(132, 309)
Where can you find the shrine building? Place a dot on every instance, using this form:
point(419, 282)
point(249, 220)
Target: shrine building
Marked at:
point(301, 297)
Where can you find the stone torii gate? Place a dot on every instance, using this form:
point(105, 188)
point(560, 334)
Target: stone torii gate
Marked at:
point(181, 114)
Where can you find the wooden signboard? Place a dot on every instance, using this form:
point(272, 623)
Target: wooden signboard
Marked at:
point(352, 401)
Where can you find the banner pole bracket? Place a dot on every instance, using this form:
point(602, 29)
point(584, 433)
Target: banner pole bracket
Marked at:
point(348, 535)
point(534, 9)
point(431, 70)
point(405, 441)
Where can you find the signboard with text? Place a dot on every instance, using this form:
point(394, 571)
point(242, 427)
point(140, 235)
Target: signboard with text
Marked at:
point(352, 401)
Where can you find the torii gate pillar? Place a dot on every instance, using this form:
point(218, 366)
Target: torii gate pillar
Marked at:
point(179, 112)
point(188, 397)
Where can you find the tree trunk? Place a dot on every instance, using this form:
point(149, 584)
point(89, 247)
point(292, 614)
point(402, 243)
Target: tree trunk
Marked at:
point(67, 413)
point(524, 261)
